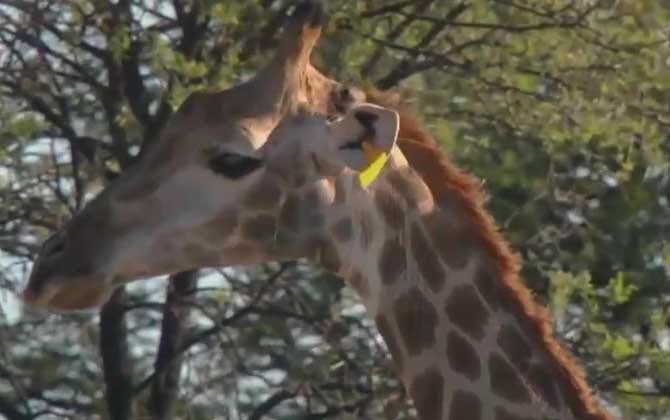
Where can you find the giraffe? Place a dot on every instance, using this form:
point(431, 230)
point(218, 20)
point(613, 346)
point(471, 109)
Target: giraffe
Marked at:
point(316, 172)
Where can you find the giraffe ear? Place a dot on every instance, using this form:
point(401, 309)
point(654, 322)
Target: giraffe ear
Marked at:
point(365, 136)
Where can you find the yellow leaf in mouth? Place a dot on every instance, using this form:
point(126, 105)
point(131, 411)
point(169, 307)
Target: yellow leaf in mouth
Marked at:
point(377, 159)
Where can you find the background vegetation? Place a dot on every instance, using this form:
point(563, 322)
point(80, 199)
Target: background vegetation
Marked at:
point(561, 106)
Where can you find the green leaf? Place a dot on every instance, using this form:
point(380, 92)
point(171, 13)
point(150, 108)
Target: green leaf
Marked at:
point(619, 347)
point(620, 292)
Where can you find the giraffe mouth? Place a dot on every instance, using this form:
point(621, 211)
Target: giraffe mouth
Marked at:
point(66, 294)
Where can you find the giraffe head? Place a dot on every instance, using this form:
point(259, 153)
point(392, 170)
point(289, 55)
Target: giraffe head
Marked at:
point(211, 191)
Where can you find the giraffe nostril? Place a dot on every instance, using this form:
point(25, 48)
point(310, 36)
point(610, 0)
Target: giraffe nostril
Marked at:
point(345, 94)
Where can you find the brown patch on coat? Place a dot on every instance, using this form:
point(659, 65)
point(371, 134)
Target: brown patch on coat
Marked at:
point(462, 356)
point(416, 319)
point(343, 229)
point(515, 347)
point(465, 406)
point(443, 178)
point(427, 260)
point(427, 392)
point(487, 286)
point(392, 261)
point(466, 311)
point(453, 243)
point(408, 185)
point(505, 381)
point(390, 209)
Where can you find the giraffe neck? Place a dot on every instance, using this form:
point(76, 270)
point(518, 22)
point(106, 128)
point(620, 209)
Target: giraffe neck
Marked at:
point(447, 301)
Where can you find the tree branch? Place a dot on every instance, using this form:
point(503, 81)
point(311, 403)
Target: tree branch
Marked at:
point(274, 400)
point(393, 35)
point(11, 412)
point(165, 384)
point(387, 9)
point(117, 366)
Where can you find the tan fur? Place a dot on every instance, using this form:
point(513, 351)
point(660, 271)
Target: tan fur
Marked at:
point(442, 177)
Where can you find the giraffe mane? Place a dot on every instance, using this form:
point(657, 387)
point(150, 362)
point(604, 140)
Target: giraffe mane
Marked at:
point(445, 180)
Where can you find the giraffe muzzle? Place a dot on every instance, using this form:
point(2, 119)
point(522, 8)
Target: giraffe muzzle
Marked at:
point(57, 293)
point(64, 277)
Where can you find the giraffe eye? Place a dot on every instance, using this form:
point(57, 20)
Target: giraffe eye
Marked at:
point(232, 165)
point(331, 118)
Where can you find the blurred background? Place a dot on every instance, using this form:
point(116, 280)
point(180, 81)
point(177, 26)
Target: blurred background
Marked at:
point(562, 108)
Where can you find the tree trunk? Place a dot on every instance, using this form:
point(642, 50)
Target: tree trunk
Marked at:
point(117, 366)
point(165, 384)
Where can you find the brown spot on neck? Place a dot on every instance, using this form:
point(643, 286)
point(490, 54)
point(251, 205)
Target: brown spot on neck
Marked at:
point(390, 209)
point(505, 381)
point(487, 285)
point(427, 391)
point(427, 261)
point(342, 230)
point(453, 243)
point(416, 319)
point(462, 356)
point(463, 193)
point(465, 405)
point(466, 311)
point(392, 261)
point(408, 185)
point(515, 347)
